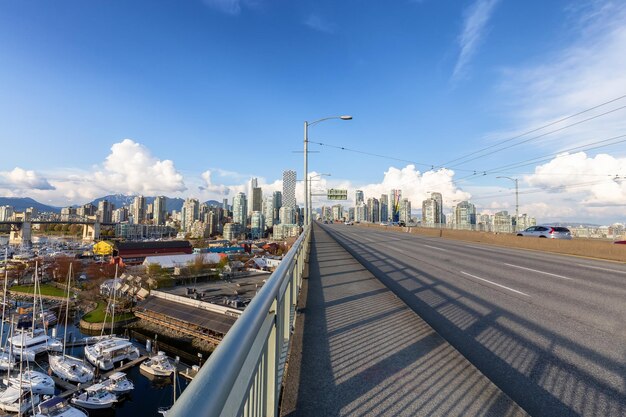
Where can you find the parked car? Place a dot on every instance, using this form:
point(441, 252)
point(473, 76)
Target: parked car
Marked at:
point(548, 232)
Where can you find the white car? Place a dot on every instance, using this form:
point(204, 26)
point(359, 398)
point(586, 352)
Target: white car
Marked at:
point(547, 232)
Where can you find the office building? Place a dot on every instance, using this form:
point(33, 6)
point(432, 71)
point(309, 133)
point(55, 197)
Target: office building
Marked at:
point(430, 212)
point(240, 210)
point(6, 213)
point(289, 189)
point(404, 213)
point(287, 215)
point(104, 214)
point(257, 225)
point(465, 215)
point(277, 202)
point(139, 209)
point(160, 210)
point(358, 197)
point(384, 208)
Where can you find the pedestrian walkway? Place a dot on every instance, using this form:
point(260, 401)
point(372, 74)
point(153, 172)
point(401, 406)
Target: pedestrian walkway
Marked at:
point(358, 350)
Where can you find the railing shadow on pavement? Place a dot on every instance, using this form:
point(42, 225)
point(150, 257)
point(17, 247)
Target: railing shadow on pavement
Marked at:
point(364, 354)
point(498, 341)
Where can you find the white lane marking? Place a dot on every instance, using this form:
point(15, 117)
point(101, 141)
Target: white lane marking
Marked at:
point(495, 283)
point(617, 271)
point(540, 272)
point(435, 247)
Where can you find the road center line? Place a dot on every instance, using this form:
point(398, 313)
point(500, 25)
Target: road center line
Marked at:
point(495, 283)
point(540, 272)
point(435, 247)
point(617, 271)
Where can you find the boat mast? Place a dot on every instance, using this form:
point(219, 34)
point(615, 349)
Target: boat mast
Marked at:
point(67, 306)
point(4, 291)
point(113, 306)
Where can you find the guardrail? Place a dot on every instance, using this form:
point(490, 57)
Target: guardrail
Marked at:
point(243, 376)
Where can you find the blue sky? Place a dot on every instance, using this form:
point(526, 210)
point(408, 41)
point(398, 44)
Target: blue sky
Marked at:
point(192, 98)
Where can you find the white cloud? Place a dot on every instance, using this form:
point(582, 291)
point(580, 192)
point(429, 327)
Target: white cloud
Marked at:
point(587, 72)
point(415, 186)
point(317, 23)
point(231, 7)
point(21, 179)
point(474, 26)
point(592, 181)
point(131, 168)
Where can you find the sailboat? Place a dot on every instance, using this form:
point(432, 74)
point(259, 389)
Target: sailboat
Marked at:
point(109, 350)
point(35, 381)
point(58, 407)
point(18, 399)
point(7, 360)
point(65, 366)
point(29, 344)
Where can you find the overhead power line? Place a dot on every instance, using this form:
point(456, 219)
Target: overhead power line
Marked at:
point(535, 130)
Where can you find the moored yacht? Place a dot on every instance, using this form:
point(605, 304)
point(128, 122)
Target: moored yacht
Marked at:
point(17, 400)
point(70, 368)
point(158, 365)
point(58, 407)
point(95, 397)
point(37, 382)
point(105, 353)
point(118, 384)
point(30, 343)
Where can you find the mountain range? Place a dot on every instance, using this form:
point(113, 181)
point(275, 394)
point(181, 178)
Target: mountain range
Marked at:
point(118, 200)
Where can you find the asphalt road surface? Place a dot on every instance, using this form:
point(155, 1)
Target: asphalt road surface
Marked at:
point(549, 330)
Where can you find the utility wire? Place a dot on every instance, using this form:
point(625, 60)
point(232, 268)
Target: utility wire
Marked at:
point(537, 137)
point(536, 129)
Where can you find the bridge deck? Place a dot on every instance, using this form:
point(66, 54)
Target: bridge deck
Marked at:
point(358, 350)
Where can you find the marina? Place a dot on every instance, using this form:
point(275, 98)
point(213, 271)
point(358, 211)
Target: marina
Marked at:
point(149, 393)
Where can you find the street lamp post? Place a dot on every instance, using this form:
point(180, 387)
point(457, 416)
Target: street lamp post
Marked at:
point(516, 200)
point(307, 221)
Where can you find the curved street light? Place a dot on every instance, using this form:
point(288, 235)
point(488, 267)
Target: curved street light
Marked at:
point(307, 220)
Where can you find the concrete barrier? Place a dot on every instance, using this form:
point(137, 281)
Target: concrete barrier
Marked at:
point(591, 248)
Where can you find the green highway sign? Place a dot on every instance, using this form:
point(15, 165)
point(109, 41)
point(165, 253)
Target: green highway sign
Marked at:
point(334, 194)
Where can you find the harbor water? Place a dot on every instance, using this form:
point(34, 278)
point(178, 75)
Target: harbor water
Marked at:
point(149, 394)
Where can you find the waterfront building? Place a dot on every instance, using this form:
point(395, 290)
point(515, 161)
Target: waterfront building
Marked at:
point(86, 210)
point(283, 231)
point(120, 215)
point(394, 205)
point(160, 210)
point(358, 197)
point(6, 213)
point(240, 210)
point(404, 212)
point(502, 222)
point(439, 199)
point(199, 230)
point(289, 189)
point(326, 213)
point(465, 215)
point(232, 231)
point(105, 212)
point(257, 225)
point(351, 213)
point(268, 211)
point(190, 213)
point(384, 208)
point(337, 212)
point(67, 213)
point(360, 212)
point(138, 210)
point(430, 212)
point(373, 210)
point(287, 215)
point(130, 231)
point(277, 202)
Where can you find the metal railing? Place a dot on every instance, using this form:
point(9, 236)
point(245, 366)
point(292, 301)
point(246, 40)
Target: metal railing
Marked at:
point(243, 376)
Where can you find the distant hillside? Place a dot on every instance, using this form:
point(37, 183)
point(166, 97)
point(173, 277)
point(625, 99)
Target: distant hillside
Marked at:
point(119, 200)
point(22, 203)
